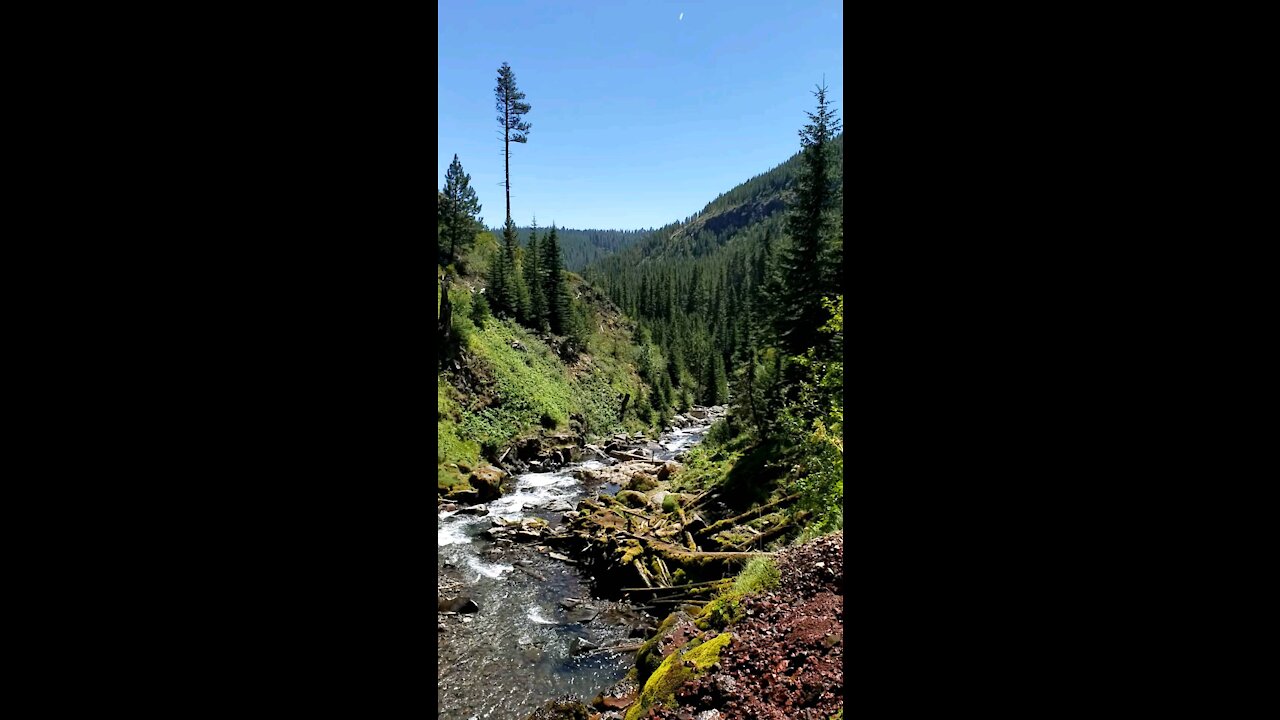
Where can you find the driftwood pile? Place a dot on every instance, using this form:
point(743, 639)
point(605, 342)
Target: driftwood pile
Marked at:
point(655, 544)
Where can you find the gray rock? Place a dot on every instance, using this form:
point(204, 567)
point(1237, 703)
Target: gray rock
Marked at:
point(581, 645)
point(460, 604)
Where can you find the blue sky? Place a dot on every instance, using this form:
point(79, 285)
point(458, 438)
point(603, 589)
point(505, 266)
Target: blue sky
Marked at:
point(639, 118)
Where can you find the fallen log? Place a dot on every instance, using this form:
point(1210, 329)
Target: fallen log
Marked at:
point(666, 574)
point(632, 456)
point(730, 522)
point(643, 575)
point(616, 648)
point(688, 537)
point(679, 587)
point(701, 495)
point(530, 572)
point(780, 529)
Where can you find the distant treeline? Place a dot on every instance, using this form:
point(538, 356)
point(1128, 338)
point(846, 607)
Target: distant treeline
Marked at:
point(582, 247)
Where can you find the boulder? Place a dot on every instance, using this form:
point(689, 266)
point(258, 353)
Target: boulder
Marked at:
point(464, 495)
point(657, 497)
point(488, 482)
point(699, 413)
point(580, 645)
point(641, 482)
point(631, 498)
point(460, 604)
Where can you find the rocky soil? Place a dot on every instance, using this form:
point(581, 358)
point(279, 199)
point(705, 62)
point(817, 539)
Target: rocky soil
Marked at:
point(785, 661)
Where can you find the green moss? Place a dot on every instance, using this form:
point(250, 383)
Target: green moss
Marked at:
point(661, 686)
point(669, 503)
point(448, 479)
point(720, 614)
point(759, 575)
point(631, 549)
point(649, 657)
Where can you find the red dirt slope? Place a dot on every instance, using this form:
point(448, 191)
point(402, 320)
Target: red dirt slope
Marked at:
point(785, 662)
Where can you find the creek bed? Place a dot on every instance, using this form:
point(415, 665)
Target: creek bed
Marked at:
point(518, 650)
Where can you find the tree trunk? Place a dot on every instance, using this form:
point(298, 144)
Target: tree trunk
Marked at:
point(506, 149)
point(626, 399)
point(713, 528)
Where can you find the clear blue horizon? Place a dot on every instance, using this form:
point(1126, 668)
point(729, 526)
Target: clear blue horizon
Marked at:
point(639, 118)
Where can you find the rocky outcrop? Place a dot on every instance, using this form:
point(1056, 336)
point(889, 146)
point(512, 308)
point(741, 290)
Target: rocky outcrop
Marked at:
point(487, 482)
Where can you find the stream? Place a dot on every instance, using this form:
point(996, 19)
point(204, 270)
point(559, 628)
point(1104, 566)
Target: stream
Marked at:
point(517, 651)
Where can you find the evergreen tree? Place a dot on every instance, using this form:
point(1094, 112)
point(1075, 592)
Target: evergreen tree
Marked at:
point(810, 218)
point(516, 297)
point(556, 288)
point(458, 208)
point(510, 107)
point(746, 388)
point(717, 384)
point(496, 286)
point(534, 280)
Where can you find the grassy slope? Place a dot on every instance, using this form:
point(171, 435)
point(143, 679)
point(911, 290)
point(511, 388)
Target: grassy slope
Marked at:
point(501, 393)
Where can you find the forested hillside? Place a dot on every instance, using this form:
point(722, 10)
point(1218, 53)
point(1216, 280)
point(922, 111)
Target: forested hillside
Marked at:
point(582, 247)
point(743, 303)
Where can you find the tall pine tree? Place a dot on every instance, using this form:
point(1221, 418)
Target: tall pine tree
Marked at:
point(510, 105)
point(810, 227)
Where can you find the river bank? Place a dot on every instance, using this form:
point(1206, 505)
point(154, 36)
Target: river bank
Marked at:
point(520, 621)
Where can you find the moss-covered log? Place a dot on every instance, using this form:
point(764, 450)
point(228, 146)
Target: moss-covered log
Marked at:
point(730, 522)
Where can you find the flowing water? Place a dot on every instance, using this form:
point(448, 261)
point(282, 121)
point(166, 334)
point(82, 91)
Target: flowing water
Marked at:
point(517, 651)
